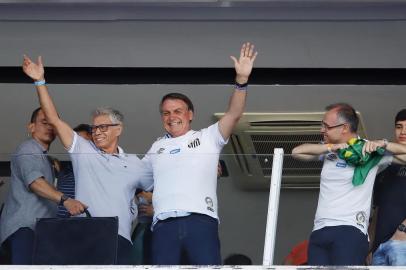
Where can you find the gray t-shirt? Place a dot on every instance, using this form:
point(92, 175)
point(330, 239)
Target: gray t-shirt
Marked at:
point(22, 206)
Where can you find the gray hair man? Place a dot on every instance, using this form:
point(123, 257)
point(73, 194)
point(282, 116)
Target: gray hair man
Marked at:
point(106, 177)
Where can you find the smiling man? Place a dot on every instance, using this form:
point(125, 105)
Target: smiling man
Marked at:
point(339, 234)
point(106, 177)
point(184, 164)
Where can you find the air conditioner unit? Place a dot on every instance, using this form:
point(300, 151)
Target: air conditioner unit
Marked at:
point(248, 155)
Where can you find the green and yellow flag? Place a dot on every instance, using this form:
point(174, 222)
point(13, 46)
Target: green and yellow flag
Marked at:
point(362, 163)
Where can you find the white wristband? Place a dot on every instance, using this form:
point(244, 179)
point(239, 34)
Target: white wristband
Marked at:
point(38, 83)
point(385, 143)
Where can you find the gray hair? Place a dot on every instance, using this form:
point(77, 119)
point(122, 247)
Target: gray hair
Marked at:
point(116, 116)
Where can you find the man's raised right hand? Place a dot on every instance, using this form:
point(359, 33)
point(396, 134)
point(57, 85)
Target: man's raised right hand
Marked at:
point(33, 70)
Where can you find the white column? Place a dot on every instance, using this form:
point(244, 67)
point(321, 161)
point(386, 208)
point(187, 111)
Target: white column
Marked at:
point(273, 206)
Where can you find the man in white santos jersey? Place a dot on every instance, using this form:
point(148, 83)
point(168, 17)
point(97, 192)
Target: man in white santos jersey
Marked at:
point(184, 164)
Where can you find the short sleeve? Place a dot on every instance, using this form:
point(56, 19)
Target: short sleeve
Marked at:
point(74, 147)
point(215, 135)
point(80, 146)
point(30, 167)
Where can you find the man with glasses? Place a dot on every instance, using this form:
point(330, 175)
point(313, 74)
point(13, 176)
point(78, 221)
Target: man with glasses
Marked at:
point(106, 177)
point(32, 193)
point(339, 234)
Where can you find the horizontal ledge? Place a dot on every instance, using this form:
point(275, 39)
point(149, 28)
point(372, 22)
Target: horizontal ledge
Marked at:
point(204, 11)
point(207, 76)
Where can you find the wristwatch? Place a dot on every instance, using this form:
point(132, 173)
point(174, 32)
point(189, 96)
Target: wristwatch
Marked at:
point(63, 199)
point(385, 143)
point(402, 227)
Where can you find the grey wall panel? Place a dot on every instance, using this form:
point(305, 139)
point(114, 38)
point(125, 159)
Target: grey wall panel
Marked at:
point(204, 44)
point(295, 220)
point(242, 220)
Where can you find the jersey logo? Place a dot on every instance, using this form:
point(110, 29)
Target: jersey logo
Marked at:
point(209, 203)
point(175, 151)
point(361, 218)
point(195, 143)
point(331, 157)
point(160, 150)
point(402, 171)
point(341, 164)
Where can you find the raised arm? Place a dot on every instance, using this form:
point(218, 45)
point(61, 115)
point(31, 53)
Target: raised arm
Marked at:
point(398, 150)
point(243, 67)
point(310, 151)
point(36, 72)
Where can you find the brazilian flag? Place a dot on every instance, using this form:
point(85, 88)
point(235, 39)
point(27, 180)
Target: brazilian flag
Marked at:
point(362, 163)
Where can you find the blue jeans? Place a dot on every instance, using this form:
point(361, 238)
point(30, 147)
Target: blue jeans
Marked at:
point(392, 252)
point(194, 236)
point(338, 245)
point(21, 244)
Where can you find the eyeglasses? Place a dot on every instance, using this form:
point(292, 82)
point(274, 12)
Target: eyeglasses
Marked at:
point(327, 127)
point(102, 127)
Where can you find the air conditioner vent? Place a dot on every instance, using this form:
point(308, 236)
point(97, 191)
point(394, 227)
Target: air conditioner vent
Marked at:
point(284, 123)
point(252, 144)
point(264, 144)
point(294, 138)
point(240, 158)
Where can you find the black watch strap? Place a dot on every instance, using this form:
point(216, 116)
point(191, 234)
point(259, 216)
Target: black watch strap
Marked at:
point(402, 227)
point(63, 199)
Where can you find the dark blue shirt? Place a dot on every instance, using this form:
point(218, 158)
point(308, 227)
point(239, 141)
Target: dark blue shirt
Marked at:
point(390, 198)
point(66, 185)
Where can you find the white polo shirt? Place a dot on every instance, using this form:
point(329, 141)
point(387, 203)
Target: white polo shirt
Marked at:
point(340, 202)
point(185, 173)
point(106, 183)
